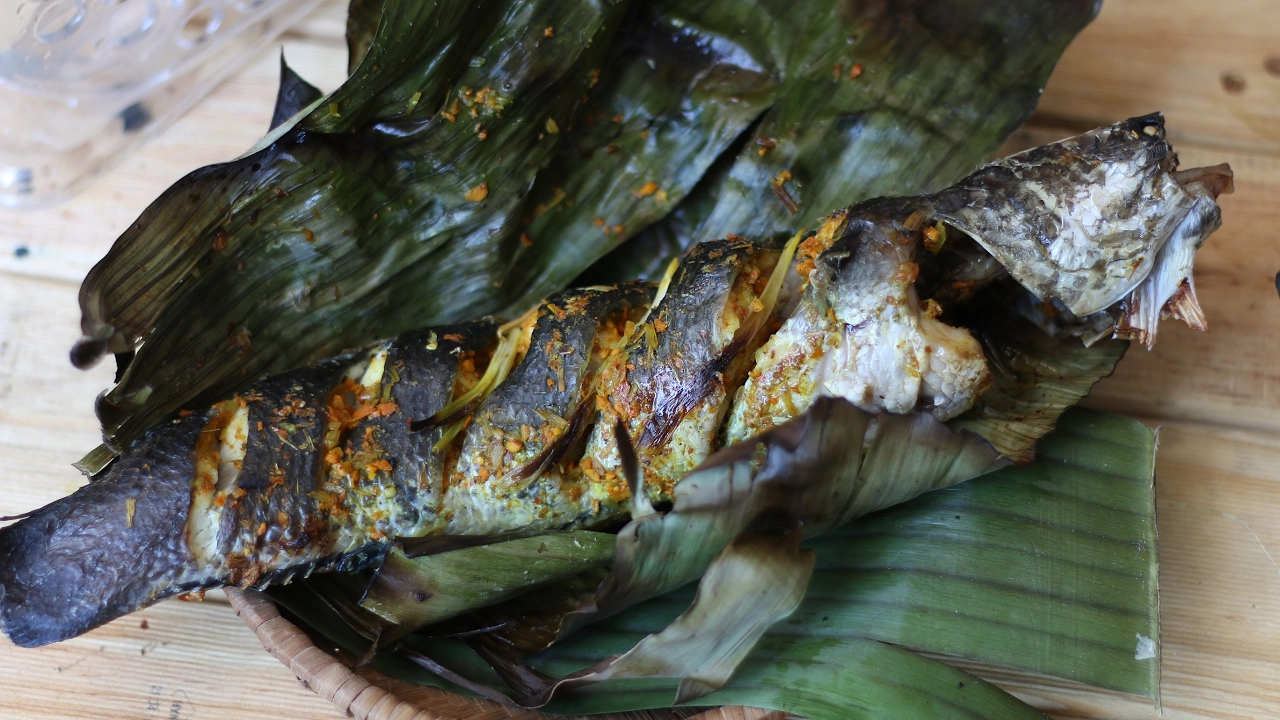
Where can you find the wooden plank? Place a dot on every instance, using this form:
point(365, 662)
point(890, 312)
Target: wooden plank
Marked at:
point(1139, 56)
point(1228, 375)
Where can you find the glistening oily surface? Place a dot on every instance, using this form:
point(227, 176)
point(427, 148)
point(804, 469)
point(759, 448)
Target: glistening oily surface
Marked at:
point(1218, 586)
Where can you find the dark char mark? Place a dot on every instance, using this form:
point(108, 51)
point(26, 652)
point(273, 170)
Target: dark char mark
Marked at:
point(691, 310)
point(564, 337)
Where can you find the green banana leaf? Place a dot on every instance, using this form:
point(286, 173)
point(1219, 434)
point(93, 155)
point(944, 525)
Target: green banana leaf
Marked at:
point(370, 211)
point(420, 591)
point(1049, 567)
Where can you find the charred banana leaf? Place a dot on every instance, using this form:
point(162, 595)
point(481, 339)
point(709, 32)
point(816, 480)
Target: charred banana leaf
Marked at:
point(323, 238)
point(901, 98)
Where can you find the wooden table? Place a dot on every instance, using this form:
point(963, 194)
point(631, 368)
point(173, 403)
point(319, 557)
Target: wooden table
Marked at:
point(1216, 396)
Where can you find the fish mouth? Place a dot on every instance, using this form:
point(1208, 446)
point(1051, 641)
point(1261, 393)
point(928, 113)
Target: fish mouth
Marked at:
point(1169, 292)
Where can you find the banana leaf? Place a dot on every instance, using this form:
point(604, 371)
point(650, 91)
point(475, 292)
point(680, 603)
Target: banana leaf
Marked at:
point(1050, 567)
point(389, 204)
point(938, 87)
point(420, 591)
point(416, 162)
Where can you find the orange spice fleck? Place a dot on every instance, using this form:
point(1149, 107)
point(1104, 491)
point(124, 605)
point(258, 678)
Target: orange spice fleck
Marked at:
point(932, 239)
point(907, 272)
point(477, 193)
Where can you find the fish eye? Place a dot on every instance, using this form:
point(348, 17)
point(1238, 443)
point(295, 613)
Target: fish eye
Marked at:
point(1151, 130)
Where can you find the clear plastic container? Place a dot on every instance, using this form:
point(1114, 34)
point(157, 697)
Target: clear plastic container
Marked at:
point(83, 82)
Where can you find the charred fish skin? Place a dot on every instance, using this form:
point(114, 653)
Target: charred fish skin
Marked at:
point(113, 546)
point(420, 376)
point(156, 523)
point(672, 384)
point(270, 514)
point(332, 471)
point(508, 475)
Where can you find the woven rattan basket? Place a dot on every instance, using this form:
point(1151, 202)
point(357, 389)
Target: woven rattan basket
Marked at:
point(370, 695)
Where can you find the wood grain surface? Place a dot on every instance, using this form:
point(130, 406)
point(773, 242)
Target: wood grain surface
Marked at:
point(1215, 396)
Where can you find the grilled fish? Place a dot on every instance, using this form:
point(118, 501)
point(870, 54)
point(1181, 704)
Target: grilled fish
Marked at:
point(481, 429)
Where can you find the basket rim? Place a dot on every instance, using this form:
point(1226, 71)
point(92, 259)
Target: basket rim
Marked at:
point(358, 696)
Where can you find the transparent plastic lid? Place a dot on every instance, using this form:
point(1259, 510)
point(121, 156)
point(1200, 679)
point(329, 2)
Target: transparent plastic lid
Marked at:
point(82, 82)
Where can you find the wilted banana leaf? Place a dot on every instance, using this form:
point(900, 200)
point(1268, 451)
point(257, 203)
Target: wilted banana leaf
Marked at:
point(821, 470)
point(400, 200)
point(363, 17)
point(299, 241)
point(758, 579)
point(1049, 567)
point(1036, 377)
point(683, 87)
